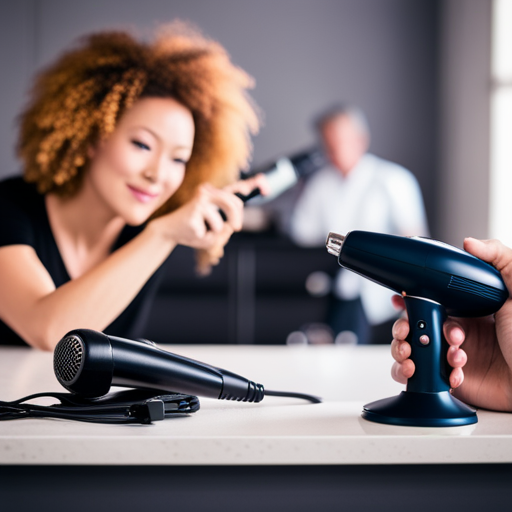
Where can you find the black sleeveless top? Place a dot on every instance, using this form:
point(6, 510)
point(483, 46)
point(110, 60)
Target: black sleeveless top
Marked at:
point(24, 220)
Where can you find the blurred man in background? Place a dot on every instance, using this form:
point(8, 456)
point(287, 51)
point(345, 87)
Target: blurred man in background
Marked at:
point(356, 191)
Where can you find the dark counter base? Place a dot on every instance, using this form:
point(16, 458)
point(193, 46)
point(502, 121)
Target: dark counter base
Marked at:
point(256, 488)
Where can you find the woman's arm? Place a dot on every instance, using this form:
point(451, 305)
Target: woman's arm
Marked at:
point(41, 313)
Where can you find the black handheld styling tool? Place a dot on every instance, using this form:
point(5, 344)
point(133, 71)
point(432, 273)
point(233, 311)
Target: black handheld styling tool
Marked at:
point(88, 363)
point(435, 280)
point(283, 174)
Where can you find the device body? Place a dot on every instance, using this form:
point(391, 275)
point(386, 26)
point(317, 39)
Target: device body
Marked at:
point(282, 175)
point(285, 172)
point(88, 363)
point(436, 280)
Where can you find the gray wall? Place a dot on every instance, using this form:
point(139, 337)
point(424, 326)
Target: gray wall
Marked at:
point(304, 54)
point(464, 140)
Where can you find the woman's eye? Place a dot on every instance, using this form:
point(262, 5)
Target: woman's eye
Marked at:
point(180, 161)
point(140, 145)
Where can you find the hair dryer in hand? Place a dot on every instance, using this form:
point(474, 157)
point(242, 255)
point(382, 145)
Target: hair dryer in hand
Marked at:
point(435, 280)
point(282, 175)
point(285, 172)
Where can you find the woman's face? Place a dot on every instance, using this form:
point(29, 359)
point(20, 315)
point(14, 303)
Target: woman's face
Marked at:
point(142, 163)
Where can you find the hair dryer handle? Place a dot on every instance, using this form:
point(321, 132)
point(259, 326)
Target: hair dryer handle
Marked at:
point(428, 346)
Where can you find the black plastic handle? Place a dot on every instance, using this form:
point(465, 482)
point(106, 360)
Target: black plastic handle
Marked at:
point(428, 346)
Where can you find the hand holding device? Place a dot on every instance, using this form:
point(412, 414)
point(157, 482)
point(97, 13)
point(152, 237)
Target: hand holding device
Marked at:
point(435, 280)
point(282, 174)
point(483, 380)
point(286, 171)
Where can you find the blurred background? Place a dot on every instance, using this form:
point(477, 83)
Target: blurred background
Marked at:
point(430, 75)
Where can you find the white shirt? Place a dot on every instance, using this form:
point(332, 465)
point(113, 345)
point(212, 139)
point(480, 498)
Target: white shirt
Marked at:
point(378, 196)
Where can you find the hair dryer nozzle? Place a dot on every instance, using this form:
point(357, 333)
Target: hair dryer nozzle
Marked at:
point(333, 243)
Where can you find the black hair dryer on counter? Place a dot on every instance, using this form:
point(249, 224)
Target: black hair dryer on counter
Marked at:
point(435, 280)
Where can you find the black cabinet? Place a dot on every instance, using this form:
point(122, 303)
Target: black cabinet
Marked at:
point(257, 294)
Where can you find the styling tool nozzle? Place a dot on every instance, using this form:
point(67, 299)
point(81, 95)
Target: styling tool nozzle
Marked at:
point(333, 243)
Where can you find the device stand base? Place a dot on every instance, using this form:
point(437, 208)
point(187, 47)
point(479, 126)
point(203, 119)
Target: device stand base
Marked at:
point(415, 409)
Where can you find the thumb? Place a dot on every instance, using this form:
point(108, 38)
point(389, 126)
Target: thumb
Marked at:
point(493, 252)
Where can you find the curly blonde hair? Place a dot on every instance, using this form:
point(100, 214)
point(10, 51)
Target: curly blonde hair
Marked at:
point(79, 100)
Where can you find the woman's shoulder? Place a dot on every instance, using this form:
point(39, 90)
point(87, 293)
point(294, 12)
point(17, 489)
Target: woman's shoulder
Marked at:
point(20, 198)
point(21, 208)
point(16, 189)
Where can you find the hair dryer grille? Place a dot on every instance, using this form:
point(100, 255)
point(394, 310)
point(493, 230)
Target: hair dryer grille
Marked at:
point(68, 359)
point(467, 285)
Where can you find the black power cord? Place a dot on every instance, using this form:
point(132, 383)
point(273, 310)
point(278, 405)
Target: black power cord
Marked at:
point(127, 406)
point(290, 394)
point(143, 406)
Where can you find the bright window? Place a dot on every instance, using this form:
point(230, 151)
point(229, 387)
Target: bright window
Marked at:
point(500, 214)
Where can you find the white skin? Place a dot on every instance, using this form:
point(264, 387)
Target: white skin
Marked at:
point(131, 174)
point(345, 143)
point(486, 356)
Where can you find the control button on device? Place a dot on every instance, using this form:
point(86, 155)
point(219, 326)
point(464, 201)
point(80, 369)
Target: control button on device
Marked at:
point(421, 324)
point(424, 339)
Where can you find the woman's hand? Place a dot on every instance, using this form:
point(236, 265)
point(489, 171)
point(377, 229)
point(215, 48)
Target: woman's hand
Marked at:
point(199, 223)
point(486, 357)
point(245, 187)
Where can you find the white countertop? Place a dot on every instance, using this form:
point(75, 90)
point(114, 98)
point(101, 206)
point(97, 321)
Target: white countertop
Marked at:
point(274, 431)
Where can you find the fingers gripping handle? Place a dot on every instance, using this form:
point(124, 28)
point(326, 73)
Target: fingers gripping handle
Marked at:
point(428, 346)
point(427, 401)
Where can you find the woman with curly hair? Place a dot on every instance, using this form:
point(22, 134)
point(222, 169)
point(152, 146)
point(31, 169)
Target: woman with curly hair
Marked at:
point(129, 150)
